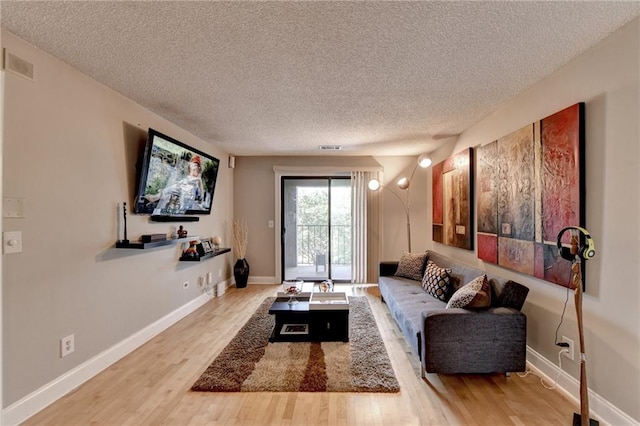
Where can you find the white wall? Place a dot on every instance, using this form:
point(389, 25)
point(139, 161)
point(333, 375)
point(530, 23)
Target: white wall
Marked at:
point(70, 148)
point(606, 78)
point(1, 195)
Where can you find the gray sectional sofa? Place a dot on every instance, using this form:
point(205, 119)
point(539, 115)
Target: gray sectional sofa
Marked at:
point(457, 340)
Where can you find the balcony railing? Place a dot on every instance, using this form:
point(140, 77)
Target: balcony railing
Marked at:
point(313, 240)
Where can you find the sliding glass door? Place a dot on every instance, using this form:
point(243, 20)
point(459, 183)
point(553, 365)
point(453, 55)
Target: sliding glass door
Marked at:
point(316, 228)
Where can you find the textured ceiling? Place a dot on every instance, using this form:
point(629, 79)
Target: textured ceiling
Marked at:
point(281, 78)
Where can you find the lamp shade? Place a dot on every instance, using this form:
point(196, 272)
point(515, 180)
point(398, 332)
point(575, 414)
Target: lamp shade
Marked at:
point(424, 161)
point(403, 182)
point(374, 184)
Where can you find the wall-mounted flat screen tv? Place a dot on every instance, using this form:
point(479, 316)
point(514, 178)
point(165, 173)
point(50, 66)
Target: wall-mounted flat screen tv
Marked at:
point(175, 179)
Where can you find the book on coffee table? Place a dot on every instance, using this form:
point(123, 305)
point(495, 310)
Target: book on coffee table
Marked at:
point(294, 329)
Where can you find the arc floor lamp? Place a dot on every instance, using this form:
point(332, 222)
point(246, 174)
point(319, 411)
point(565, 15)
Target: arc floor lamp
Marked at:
point(404, 183)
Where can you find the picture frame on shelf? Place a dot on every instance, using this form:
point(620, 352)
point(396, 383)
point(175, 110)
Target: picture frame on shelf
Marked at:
point(205, 247)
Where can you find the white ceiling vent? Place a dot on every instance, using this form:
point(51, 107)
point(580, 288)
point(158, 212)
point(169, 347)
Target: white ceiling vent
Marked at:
point(330, 147)
point(18, 65)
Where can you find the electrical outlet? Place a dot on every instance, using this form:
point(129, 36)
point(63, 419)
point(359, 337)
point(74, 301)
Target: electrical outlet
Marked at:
point(201, 281)
point(569, 353)
point(67, 345)
point(209, 277)
point(185, 285)
point(219, 273)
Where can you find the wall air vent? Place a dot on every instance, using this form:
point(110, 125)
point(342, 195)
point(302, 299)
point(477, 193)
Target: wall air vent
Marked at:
point(330, 147)
point(18, 65)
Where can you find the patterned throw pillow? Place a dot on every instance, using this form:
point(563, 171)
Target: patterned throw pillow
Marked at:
point(411, 265)
point(436, 281)
point(476, 294)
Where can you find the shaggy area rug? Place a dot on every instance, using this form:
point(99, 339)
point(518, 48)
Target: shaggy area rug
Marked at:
point(249, 363)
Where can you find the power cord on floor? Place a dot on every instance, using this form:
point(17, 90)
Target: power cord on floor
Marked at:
point(555, 382)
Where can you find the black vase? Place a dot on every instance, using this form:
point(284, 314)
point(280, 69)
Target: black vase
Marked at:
point(241, 273)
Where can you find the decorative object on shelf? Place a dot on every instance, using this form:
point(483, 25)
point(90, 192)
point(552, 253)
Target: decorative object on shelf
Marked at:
point(149, 238)
point(216, 242)
point(192, 250)
point(326, 286)
point(240, 240)
point(124, 215)
point(205, 256)
point(182, 233)
point(404, 183)
point(292, 288)
point(204, 247)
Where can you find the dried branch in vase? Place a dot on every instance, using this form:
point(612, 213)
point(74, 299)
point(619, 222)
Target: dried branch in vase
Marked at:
point(240, 238)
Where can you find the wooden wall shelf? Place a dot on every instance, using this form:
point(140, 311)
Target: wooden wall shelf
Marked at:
point(142, 246)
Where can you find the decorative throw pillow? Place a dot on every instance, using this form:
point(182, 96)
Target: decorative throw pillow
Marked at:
point(436, 281)
point(476, 294)
point(411, 265)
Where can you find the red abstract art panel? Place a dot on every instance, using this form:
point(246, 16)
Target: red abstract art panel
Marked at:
point(488, 247)
point(517, 255)
point(453, 200)
point(560, 134)
point(530, 186)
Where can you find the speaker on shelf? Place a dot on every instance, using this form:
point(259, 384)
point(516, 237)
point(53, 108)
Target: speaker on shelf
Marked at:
point(159, 218)
point(232, 161)
point(149, 238)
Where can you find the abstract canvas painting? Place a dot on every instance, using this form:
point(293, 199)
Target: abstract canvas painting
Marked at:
point(453, 200)
point(530, 186)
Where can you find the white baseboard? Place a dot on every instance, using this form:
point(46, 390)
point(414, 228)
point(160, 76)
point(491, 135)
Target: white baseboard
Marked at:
point(31, 404)
point(601, 409)
point(262, 280)
point(258, 280)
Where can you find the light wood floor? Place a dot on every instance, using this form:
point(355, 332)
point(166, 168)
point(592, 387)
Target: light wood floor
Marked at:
point(151, 385)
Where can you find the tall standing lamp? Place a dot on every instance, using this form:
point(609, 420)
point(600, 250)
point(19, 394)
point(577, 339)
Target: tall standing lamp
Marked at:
point(404, 183)
point(576, 254)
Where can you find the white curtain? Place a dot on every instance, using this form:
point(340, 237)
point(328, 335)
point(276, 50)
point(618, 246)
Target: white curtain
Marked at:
point(364, 250)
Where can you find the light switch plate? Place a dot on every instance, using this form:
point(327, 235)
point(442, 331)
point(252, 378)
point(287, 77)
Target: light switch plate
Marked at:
point(12, 242)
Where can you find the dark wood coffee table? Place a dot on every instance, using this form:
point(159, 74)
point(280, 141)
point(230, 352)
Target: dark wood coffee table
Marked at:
point(297, 323)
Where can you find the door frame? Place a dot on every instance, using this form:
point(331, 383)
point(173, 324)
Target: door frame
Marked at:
point(292, 171)
point(328, 179)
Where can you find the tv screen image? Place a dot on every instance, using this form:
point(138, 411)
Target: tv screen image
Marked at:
point(175, 179)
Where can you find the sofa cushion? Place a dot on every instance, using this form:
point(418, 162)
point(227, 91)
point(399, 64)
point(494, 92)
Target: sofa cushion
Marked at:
point(513, 295)
point(411, 265)
point(476, 294)
point(436, 281)
point(460, 273)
